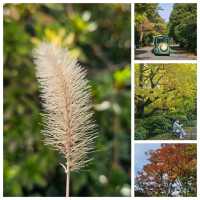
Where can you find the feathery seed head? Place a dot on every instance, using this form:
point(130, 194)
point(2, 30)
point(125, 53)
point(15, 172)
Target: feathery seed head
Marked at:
point(65, 93)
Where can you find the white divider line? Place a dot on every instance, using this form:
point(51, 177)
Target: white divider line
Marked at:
point(198, 98)
point(165, 141)
point(1, 101)
point(132, 101)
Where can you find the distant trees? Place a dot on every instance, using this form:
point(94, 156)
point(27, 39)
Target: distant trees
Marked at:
point(183, 25)
point(171, 171)
point(163, 92)
point(148, 23)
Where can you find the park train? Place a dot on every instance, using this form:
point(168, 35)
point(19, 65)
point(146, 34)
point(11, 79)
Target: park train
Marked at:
point(161, 45)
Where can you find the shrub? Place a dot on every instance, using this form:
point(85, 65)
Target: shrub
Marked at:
point(157, 124)
point(173, 116)
point(140, 133)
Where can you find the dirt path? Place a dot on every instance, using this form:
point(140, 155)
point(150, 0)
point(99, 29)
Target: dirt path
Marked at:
point(145, 53)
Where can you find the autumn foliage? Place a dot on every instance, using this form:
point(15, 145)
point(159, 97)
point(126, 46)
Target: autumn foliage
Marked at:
point(148, 23)
point(163, 93)
point(171, 171)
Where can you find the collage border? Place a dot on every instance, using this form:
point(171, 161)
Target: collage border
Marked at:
point(133, 62)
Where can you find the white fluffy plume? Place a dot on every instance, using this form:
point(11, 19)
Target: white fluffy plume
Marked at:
point(69, 126)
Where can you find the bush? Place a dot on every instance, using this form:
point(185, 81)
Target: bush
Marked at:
point(180, 116)
point(141, 133)
point(157, 125)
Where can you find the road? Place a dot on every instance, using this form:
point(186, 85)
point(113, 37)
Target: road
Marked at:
point(145, 53)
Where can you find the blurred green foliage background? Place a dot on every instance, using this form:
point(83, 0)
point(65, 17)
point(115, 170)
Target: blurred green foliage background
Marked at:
point(99, 35)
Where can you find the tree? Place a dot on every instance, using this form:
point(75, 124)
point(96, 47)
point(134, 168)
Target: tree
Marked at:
point(171, 171)
point(183, 25)
point(148, 23)
point(165, 87)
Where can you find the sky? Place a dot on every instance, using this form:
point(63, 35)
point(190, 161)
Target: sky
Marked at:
point(165, 11)
point(140, 157)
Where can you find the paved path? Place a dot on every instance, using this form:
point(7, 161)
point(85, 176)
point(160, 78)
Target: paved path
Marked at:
point(191, 133)
point(145, 53)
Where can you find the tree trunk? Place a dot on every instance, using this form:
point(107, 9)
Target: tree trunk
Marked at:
point(140, 109)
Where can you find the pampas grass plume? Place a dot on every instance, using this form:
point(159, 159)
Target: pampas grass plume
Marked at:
point(68, 118)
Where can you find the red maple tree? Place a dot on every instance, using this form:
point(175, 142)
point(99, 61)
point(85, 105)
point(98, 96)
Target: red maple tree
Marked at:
point(171, 171)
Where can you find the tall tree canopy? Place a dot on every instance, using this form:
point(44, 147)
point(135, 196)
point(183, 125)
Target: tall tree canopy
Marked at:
point(183, 25)
point(148, 23)
point(171, 171)
point(169, 87)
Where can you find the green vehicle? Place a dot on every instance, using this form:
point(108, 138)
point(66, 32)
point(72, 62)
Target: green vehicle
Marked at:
point(161, 45)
